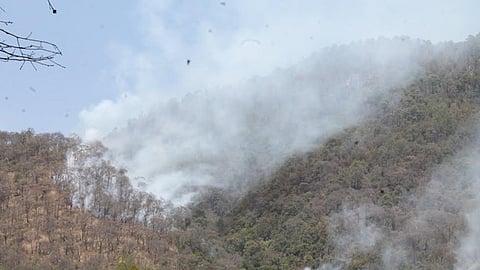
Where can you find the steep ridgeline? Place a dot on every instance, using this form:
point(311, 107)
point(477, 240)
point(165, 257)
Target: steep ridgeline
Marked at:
point(300, 217)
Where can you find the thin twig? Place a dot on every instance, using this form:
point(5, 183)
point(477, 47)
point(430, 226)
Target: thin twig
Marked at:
point(6, 22)
point(51, 7)
point(26, 49)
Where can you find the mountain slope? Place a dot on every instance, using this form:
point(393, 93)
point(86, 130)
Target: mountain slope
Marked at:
point(357, 201)
point(286, 222)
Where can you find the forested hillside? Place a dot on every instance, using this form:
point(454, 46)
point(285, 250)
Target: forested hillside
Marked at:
point(287, 222)
point(86, 216)
point(364, 199)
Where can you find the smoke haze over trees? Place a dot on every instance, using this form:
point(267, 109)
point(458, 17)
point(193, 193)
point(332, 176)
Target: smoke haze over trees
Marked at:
point(228, 137)
point(362, 157)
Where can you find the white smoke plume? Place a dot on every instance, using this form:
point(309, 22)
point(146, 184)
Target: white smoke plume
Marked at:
point(468, 252)
point(231, 136)
point(231, 128)
point(326, 266)
point(447, 208)
point(353, 231)
point(444, 220)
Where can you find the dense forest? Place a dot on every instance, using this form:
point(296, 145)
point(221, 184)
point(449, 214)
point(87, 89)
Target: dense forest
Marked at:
point(377, 195)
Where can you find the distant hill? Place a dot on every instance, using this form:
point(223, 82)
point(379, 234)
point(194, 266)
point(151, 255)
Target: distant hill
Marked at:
point(382, 194)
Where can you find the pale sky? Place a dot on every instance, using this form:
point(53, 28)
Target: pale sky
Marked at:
point(122, 57)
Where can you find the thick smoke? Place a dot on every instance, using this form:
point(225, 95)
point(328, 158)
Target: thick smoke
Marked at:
point(353, 232)
point(448, 206)
point(220, 134)
point(231, 136)
point(327, 266)
point(468, 253)
point(443, 219)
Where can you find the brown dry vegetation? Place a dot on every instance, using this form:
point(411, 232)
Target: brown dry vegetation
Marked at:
point(40, 228)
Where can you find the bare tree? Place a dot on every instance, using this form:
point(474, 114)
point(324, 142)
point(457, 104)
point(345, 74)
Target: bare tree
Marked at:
point(25, 49)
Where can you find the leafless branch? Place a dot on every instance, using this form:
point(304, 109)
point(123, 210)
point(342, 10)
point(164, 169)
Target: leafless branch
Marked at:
point(6, 22)
point(25, 49)
point(51, 7)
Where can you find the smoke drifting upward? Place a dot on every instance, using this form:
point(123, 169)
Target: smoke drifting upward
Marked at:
point(448, 207)
point(231, 136)
point(468, 253)
point(229, 130)
point(443, 220)
point(353, 233)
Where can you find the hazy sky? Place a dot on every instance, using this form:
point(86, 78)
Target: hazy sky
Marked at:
point(123, 56)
